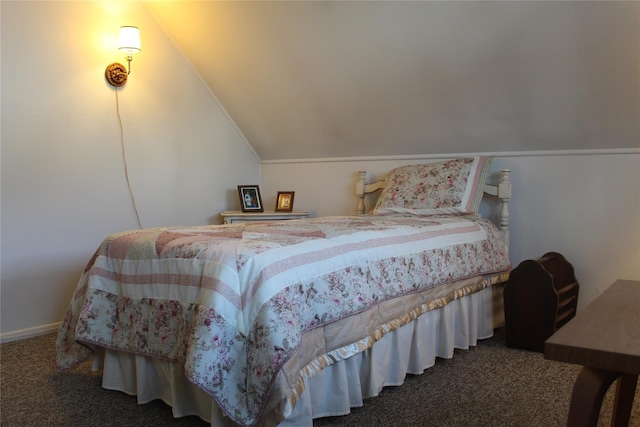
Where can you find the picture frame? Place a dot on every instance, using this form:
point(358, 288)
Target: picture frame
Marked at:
point(250, 199)
point(284, 201)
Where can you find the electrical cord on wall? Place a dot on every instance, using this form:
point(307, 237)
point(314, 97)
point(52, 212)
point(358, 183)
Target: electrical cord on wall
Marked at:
point(124, 160)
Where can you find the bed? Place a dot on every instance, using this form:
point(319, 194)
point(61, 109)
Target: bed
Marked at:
point(279, 323)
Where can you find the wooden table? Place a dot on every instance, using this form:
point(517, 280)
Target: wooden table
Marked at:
point(604, 338)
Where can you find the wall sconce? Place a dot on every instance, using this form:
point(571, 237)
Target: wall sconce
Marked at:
point(129, 43)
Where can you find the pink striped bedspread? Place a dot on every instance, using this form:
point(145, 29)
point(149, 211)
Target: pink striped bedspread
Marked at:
point(232, 303)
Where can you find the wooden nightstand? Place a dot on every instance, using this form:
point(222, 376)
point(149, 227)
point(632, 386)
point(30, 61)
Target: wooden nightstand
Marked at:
point(235, 217)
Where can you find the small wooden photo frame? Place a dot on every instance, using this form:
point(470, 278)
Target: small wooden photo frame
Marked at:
point(284, 201)
point(250, 199)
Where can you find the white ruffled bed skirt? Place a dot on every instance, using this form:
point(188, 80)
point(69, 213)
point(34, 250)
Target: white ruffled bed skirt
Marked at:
point(410, 349)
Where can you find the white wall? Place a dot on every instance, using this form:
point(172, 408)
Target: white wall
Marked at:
point(62, 178)
point(348, 78)
point(63, 182)
point(585, 205)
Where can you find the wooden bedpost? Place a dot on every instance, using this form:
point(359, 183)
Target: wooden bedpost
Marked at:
point(504, 194)
point(360, 191)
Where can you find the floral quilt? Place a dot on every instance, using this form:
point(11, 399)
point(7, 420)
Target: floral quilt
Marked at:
point(231, 303)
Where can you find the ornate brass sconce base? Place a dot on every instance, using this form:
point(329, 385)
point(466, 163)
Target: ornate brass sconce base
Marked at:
point(116, 74)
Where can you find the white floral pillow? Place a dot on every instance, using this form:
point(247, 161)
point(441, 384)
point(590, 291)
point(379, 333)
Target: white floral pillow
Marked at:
point(453, 187)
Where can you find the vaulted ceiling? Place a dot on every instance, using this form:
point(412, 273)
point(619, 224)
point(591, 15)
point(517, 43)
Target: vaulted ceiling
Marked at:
point(316, 79)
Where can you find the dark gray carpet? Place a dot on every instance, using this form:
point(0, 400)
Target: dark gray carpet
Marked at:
point(488, 385)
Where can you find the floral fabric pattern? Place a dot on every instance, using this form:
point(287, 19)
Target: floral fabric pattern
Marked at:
point(232, 303)
point(450, 187)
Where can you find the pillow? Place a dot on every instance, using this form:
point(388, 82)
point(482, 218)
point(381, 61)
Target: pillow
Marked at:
point(453, 187)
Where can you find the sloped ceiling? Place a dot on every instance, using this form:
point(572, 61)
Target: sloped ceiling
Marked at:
point(319, 79)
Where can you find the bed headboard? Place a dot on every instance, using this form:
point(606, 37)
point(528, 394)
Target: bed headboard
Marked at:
point(501, 191)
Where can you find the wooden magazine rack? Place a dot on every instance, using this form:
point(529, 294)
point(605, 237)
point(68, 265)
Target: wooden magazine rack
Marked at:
point(540, 297)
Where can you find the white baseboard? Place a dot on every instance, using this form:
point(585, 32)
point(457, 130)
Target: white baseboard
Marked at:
point(23, 334)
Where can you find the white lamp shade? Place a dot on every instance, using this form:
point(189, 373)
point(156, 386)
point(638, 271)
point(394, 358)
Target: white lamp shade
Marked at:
point(129, 41)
